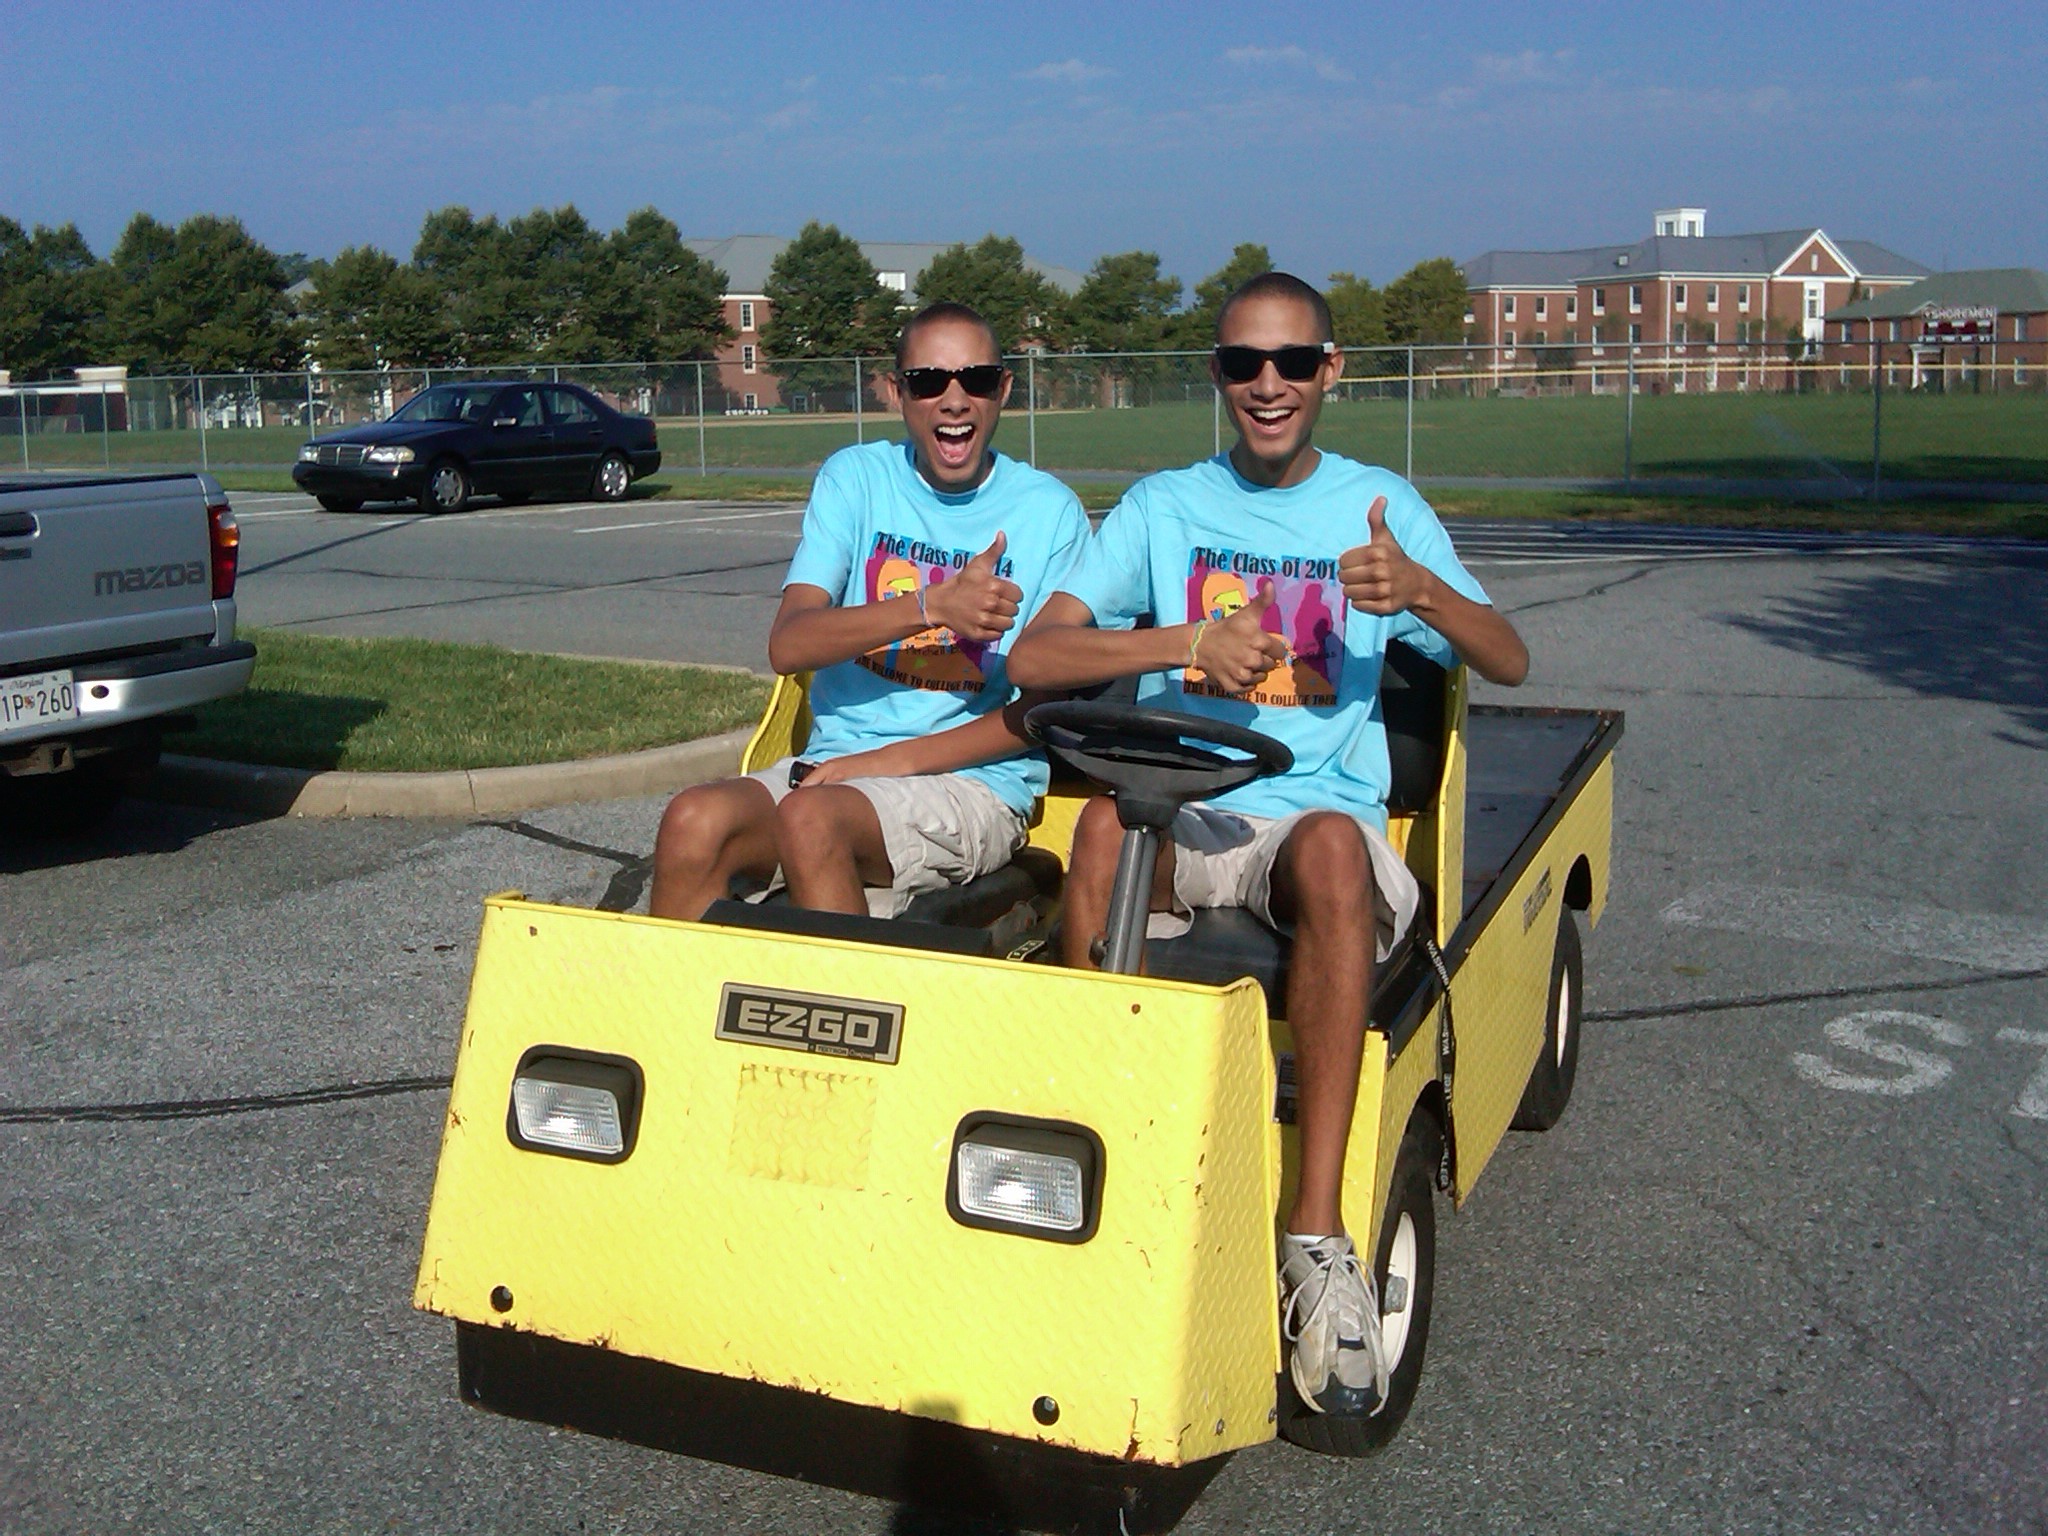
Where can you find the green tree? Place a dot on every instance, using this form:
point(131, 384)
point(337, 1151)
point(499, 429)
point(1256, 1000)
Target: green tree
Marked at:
point(679, 309)
point(1358, 311)
point(991, 277)
point(204, 296)
point(468, 264)
point(51, 294)
point(345, 311)
point(825, 301)
point(1198, 322)
point(1426, 304)
point(1125, 305)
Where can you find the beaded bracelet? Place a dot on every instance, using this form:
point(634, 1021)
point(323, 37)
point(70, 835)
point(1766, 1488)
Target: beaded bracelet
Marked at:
point(927, 618)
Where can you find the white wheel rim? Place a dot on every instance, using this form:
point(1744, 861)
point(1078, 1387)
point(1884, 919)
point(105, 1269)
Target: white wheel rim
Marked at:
point(447, 485)
point(1564, 1013)
point(1401, 1262)
point(614, 477)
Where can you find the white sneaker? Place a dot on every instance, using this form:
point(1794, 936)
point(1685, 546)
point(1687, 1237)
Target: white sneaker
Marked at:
point(1330, 1314)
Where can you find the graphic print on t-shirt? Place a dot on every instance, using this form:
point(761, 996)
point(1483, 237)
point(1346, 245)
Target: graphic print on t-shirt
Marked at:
point(1307, 613)
point(935, 658)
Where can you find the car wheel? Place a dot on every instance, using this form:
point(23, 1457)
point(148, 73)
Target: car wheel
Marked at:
point(613, 478)
point(341, 503)
point(446, 488)
point(1557, 1068)
point(1405, 1269)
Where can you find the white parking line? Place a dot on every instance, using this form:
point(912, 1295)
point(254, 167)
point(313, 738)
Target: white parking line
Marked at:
point(682, 522)
point(1979, 940)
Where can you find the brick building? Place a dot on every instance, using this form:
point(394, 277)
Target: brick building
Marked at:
point(745, 259)
point(1697, 301)
point(1974, 329)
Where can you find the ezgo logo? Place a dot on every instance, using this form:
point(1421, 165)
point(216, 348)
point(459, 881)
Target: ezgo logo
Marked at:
point(807, 1021)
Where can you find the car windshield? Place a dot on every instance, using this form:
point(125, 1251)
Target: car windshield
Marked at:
point(448, 402)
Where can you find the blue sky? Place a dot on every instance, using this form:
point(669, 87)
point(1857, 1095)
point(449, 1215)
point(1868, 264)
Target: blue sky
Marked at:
point(1361, 137)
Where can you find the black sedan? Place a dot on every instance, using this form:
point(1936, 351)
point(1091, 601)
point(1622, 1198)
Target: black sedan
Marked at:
point(510, 440)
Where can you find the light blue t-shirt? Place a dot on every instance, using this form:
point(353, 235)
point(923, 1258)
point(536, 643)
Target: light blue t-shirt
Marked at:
point(1198, 542)
point(876, 531)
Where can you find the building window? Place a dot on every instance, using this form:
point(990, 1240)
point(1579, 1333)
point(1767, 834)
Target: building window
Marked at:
point(1599, 301)
point(747, 358)
point(895, 282)
point(1846, 336)
point(1571, 306)
point(1543, 307)
point(751, 400)
point(2019, 371)
point(1713, 297)
point(1812, 306)
point(1508, 339)
point(1891, 373)
point(1813, 262)
point(746, 314)
point(1891, 330)
point(1635, 298)
point(1678, 294)
point(1507, 308)
point(1468, 314)
point(1678, 332)
point(2019, 327)
point(1742, 296)
point(1635, 334)
point(1713, 333)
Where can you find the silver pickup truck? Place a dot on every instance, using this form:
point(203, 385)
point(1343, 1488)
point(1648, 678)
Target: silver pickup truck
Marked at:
point(117, 616)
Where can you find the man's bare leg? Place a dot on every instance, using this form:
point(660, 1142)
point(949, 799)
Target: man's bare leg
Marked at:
point(1091, 877)
point(709, 833)
point(1323, 884)
point(832, 847)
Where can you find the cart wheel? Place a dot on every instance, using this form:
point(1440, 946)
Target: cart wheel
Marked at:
point(1407, 1257)
point(1551, 1079)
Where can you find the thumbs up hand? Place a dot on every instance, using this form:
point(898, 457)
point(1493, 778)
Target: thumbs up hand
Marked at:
point(1237, 652)
point(976, 604)
point(1378, 576)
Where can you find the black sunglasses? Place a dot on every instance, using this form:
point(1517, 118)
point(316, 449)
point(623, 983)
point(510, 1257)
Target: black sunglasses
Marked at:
point(981, 380)
point(1297, 364)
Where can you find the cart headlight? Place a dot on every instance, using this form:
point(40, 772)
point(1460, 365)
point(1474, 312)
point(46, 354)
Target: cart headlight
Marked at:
point(389, 455)
point(309, 454)
point(1033, 1178)
point(575, 1103)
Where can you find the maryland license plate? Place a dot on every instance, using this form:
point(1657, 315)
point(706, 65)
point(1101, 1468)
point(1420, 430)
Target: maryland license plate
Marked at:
point(41, 698)
point(810, 1021)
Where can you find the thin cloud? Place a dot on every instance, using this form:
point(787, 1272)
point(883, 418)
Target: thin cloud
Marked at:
point(1292, 56)
point(1066, 72)
point(1529, 67)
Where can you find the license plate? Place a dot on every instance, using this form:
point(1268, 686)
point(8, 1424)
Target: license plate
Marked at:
point(42, 698)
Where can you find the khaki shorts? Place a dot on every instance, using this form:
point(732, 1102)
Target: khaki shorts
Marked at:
point(1222, 859)
point(939, 829)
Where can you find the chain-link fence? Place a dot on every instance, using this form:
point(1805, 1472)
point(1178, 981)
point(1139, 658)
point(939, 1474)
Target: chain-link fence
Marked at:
point(1826, 418)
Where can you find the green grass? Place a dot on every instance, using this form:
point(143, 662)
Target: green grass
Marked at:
point(420, 705)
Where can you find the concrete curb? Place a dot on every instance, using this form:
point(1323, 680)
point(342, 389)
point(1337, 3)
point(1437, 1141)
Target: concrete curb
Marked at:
point(471, 793)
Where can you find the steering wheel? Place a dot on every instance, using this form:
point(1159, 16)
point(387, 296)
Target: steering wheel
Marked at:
point(1149, 757)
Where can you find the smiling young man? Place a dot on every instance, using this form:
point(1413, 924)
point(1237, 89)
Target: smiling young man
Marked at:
point(1276, 574)
point(916, 560)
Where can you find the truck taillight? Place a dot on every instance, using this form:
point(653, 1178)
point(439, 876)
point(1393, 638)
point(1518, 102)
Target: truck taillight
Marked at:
point(226, 539)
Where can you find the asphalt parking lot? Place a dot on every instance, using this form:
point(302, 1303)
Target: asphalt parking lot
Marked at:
point(1784, 1266)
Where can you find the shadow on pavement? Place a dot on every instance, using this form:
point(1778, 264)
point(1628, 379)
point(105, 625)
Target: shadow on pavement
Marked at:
point(1952, 629)
point(135, 827)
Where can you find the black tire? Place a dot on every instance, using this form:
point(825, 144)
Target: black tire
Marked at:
point(446, 488)
point(614, 477)
point(1409, 1225)
point(1557, 1067)
point(342, 504)
point(514, 498)
point(60, 805)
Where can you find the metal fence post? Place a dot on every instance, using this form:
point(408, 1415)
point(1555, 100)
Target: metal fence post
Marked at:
point(1628, 419)
point(702, 469)
point(1031, 403)
point(1215, 419)
point(1876, 423)
point(199, 394)
point(21, 419)
point(309, 402)
point(106, 452)
point(860, 424)
point(1408, 458)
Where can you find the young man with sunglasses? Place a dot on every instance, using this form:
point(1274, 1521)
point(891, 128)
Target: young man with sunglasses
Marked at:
point(915, 562)
point(1275, 575)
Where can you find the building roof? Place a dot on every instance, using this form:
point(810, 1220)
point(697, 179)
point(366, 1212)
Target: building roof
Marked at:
point(1758, 255)
point(745, 260)
point(2009, 290)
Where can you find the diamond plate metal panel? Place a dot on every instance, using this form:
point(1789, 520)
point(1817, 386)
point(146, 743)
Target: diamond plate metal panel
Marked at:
point(744, 1236)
